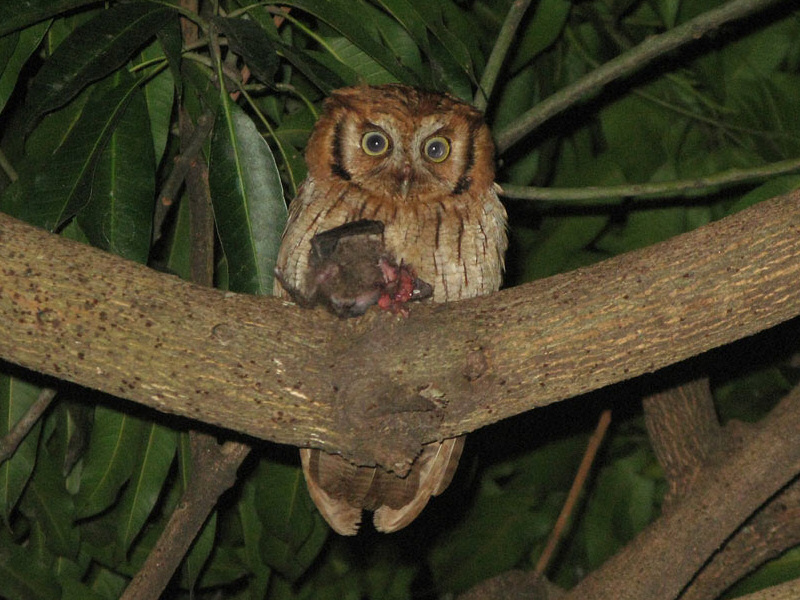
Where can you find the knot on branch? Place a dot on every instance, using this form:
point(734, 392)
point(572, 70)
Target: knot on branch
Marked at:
point(388, 423)
point(476, 365)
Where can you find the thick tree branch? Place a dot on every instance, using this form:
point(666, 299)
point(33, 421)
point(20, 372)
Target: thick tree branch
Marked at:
point(774, 529)
point(662, 559)
point(270, 369)
point(685, 433)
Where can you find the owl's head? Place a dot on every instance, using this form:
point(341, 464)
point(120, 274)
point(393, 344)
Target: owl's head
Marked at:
point(397, 141)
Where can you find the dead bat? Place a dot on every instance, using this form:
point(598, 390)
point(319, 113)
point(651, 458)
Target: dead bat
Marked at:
point(350, 270)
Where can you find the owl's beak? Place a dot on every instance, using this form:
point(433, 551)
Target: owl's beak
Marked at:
point(405, 180)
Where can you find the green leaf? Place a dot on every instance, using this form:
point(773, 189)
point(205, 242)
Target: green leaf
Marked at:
point(118, 217)
point(16, 397)
point(395, 37)
point(93, 51)
point(224, 568)
point(16, 15)
point(247, 508)
point(159, 93)
point(647, 227)
point(558, 245)
point(770, 189)
point(74, 590)
point(16, 50)
point(170, 40)
point(248, 200)
point(494, 539)
point(451, 63)
point(249, 41)
point(293, 531)
point(319, 72)
point(52, 189)
point(22, 577)
point(351, 63)
point(545, 28)
point(516, 506)
point(48, 503)
point(622, 504)
point(110, 460)
point(356, 22)
point(158, 450)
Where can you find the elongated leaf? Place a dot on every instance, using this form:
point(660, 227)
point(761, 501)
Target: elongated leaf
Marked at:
point(169, 38)
point(159, 93)
point(354, 21)
point(248, 200)
point(109, 461)
point(118, 217)
point(355, 65)
point(158, 450)
point(52, 189)
point(225, 567)
point(546, 26)
point(423, 17)
point(72, 589)
point(50, 506)
point(247, 508)
point(22, 576)
point(18, 15)
point(249, 41)
point(322, 77)
point(16, 397)
point(17, 49)
point(93, 51)
point(395, 37)
point(293, 531)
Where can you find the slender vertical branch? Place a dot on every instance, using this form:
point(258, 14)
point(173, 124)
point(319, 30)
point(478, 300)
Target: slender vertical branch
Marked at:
point(499, 52)
point(574, 492)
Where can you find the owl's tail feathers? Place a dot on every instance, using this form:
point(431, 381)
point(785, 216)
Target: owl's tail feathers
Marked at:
point(341, 490)
point(438, 463)
point(343, 517)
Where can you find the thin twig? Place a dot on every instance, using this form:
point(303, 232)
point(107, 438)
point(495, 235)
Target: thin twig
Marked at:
point(624, 65)
point(659, 188)
point(572, 498)
point(180, 168)
point(213, 472)
point(12, 440)
point(499, 52)
point(8, 168)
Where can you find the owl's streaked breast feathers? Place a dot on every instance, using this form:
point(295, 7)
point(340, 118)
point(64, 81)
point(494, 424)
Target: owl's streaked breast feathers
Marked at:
point(421, 163)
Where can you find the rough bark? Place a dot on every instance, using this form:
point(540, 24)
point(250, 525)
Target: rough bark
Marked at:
point(685, 433)
point(663, 558)
point(269, 369)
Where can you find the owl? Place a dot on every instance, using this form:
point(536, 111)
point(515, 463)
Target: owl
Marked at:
point(420, 163)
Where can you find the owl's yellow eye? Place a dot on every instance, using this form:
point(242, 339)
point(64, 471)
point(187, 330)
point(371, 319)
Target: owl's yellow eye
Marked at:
point(374, 143)
point(437, 149)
